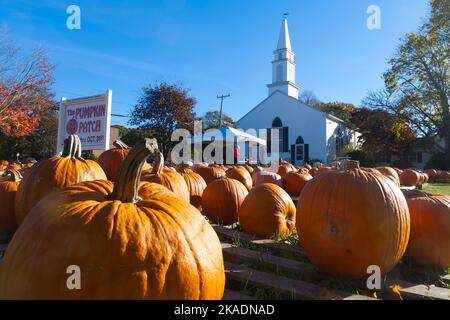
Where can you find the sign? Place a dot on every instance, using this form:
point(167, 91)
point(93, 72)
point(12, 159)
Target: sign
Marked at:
point(87, 117)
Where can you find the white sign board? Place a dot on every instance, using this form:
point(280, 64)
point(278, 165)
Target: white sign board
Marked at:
point(87, 117)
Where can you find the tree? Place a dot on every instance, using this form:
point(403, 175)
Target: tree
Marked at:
point(308, 97)
point(24, 89)
point(211, 120)
point(382, 132)
point(135, 135)
point(338, 109)
point(163, 108)
point(417, 81)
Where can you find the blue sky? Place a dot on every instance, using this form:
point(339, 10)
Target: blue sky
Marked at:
point(211, 46)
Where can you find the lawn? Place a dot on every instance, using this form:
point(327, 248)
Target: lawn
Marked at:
point(437, 188)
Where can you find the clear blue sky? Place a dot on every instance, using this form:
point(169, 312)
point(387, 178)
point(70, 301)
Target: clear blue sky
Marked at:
point(211, 46)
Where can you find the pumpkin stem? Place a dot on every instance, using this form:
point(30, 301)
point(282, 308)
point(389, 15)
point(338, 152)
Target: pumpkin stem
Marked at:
point(159, 163)
point(349, 164)
point(14, 175)
point(127, 181)
point(72, 147)
point(119, 144)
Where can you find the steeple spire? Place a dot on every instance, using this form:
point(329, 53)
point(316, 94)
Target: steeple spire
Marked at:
point(283, 65)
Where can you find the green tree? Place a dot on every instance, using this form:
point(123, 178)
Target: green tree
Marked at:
point(211, 120)
point(135, 135)
point(338, 109)
point(163, 108)
point(417, 81)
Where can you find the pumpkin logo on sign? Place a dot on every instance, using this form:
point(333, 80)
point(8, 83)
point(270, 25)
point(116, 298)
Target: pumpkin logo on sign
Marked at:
point(72, 126)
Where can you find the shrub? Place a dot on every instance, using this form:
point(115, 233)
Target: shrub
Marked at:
point(437, 161)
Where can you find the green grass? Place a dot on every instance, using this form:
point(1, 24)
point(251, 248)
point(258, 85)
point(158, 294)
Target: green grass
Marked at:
point(437, 188)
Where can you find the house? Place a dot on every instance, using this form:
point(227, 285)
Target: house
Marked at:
point(305, 133)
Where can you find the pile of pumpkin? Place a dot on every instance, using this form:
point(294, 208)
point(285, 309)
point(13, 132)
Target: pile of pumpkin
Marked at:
point(137, 231)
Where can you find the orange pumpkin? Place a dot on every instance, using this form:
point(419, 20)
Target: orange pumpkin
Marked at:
point(110, 160)
point(211, 173)
point(196, 185)
point(409, 177)
point(285, 168)
point(149, 190)
point(390, 173)
point(171, 179)
point(221, 200)
point(349, 220)
point(267, 211)
point(8, 189)
point(294, 182)
point(261, 177)
point(126, 248)
point(50, 174)
point(242, 175)
point(429, 244)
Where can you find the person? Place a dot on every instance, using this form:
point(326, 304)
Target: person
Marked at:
point(235, 154)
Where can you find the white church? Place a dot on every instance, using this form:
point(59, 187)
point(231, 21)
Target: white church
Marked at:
point(305, 133)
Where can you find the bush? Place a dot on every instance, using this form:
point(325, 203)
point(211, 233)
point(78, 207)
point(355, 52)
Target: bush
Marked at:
point(364, 158)
point(312, 161)
point(401, 164)
point(90, 156)
point(437, 161)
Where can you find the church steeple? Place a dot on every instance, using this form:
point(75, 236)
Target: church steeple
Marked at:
point(283, 65)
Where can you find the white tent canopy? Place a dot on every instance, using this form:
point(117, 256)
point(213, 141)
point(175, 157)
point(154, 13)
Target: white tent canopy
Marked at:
point(228, 135)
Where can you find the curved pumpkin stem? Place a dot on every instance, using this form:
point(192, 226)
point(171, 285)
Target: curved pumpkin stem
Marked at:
point(119, 144)
point(72, 147)
point(14, 175)
point(127, 181)
point(159, 163)
point(349, 164)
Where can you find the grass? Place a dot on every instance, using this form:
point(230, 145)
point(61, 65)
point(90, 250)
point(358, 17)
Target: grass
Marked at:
point(437, 188)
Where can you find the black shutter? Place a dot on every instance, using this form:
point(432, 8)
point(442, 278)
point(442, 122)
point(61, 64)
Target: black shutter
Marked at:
point(293, 153)
point(419, 157)
point(285, 139)
point(306, 151)
point(269, 138)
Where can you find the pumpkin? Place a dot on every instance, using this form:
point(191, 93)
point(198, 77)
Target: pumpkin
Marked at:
point(54, 173)
point(409, 177)
point(322, 170)
point(267, 211)
point(210, 173)
point(429, 243)
point(261, 177)
point(390, 173)
point(110, 160)
point(294, 182)
point(432, 174)
point(171, 179)
point(351, 219)
point(8, 189)
point(242, 175)
point(221, 200)
point(126, 248)
point(250, 169)
point(196, 185)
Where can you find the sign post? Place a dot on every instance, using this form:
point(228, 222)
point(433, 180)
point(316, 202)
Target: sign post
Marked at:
point(87, 117)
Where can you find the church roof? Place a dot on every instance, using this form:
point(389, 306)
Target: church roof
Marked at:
point(284, 42)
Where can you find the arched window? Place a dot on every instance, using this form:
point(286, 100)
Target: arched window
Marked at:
point(276, 123)
point(299, 140)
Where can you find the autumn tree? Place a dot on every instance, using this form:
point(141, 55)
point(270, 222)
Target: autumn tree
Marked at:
point(24, 89)
point(162, 109)
point(417, 81)
point(338, 109)
point(211, 120)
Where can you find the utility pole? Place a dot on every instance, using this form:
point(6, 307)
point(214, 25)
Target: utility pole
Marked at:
point(221, 105)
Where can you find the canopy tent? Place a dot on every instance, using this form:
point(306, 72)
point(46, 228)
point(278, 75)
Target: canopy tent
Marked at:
point(228, 135)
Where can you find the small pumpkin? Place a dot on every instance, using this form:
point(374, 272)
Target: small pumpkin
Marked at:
point(55, 173)
point(390, 173)
point(242, 175)
point(110, 160)
point(261, 177)
point(351, 219)
point(409, 177)
point(285, 168)
point(8, 189)
point(196, 185)
point(221, 200)
point(126, 248)
point(293, 182)
point(267, 211)
point(429, 243)
point(171, 179)
point(210, 173)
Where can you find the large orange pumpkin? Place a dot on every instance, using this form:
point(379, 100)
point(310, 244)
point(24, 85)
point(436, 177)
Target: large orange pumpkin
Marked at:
point(261, 177)
point(110, 160)
point(171, 179)
point(429, 244)
point(349, 220)
point(50, 174)
point(409, 177)
point(126, 248)
point(293, 182)
point(242, 175)
point(196, 185)
point(211, 173)
point(221, 200)
point(8, 189)
point(267, 211)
